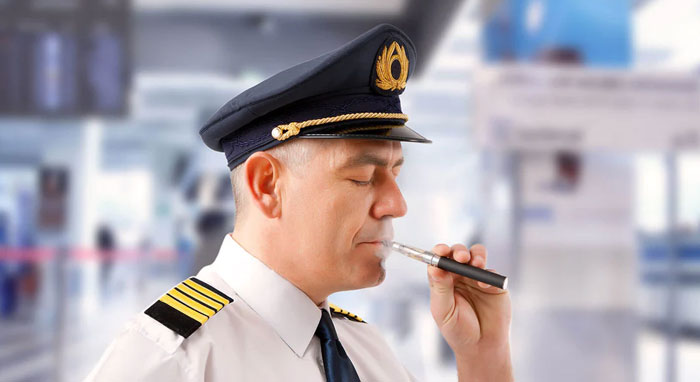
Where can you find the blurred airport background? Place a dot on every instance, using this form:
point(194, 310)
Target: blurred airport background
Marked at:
point(566, 138)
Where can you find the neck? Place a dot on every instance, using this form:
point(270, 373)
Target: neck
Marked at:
point(256, 241)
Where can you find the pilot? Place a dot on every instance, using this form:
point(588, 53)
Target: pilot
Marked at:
point(314, 153)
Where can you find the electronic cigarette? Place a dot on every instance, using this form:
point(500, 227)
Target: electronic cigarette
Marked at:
point(450, 265)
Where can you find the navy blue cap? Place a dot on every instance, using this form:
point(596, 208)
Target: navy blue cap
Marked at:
point(350, 92)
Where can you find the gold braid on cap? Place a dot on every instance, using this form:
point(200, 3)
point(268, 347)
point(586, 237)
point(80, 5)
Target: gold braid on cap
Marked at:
point(282, 132)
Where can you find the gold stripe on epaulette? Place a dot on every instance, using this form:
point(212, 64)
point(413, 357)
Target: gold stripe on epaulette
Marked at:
point(206, 291)
point(182, 308)
point(200, 296)
point(337, 309)
point(195, 304)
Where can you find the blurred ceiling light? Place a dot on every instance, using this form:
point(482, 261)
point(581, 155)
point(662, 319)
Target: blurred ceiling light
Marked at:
point(535, 16)
point(668, 29)
point(344, 7)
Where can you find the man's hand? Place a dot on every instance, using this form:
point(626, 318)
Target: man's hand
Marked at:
point(473, 317)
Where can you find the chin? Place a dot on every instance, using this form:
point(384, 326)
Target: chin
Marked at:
point(374, 278)
point(381, 278)
point(369, 273)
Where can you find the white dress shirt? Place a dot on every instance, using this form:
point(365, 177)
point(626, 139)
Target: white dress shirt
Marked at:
point(265, 334)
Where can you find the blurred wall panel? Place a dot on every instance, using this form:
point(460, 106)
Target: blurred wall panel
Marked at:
point(64, 58)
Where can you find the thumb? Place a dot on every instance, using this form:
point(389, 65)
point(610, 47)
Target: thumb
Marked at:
point(442, 299)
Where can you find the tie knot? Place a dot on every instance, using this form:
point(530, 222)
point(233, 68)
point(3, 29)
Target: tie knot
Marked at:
point(325, 330)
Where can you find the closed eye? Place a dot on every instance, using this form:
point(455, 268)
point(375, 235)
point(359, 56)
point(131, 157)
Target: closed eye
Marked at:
point(361, 183)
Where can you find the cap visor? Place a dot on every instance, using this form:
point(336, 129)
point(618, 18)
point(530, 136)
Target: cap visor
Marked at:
point(387, 132)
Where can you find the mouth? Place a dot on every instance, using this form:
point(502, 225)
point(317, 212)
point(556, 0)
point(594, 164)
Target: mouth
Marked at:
point(382, 243)
point(379, 249)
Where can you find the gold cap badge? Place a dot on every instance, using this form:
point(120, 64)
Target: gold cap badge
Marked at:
point(385, 79)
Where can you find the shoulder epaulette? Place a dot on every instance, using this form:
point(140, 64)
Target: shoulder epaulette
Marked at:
point(188, 306)
point(342, 312)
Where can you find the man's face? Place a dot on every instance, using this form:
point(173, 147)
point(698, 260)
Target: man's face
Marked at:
point(340, 208)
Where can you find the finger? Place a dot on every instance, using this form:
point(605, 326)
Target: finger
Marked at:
point(478, 254)
point(441, 288)
point(436, 274)
point(441, 294)
point(483, 285)
point(490, 288)
point(461, 253)
point(441, 250)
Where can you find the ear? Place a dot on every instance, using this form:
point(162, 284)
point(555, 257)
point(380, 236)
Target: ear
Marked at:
point(262, 175)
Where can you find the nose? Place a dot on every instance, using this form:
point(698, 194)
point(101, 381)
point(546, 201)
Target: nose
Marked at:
point(389, 201)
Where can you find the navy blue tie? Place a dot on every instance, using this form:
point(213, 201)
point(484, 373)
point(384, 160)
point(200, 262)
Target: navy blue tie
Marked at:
point(335, 361)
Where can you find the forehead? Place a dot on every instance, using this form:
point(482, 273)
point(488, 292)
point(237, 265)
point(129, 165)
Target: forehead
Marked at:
point(342, 153)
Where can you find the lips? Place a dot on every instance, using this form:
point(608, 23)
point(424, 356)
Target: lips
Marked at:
point(379, 242)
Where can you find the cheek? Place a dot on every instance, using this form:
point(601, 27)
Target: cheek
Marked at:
point(350, 211)
point(329, 213)
point(318, 208)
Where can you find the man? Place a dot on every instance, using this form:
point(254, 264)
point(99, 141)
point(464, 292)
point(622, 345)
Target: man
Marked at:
point(311, 216)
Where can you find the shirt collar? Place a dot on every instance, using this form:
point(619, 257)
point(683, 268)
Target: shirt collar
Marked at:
point(287, 309)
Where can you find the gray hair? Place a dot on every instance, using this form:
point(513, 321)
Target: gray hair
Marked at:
point(294, 154)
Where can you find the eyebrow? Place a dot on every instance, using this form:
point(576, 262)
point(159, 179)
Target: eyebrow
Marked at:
point(369, 159)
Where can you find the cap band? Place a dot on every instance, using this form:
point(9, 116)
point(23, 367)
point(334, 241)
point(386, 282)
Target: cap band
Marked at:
point(282, 132)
